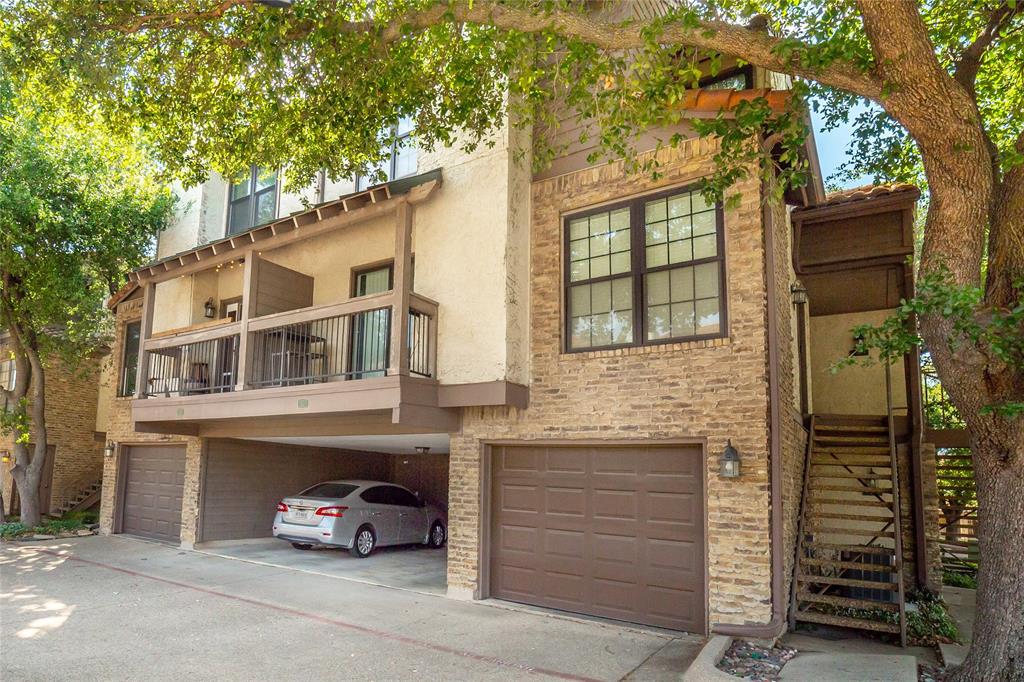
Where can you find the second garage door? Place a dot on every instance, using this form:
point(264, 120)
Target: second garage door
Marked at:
point(616, 532)
point(154, 480)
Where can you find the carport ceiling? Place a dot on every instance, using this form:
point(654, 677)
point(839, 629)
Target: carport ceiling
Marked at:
point(399, 444)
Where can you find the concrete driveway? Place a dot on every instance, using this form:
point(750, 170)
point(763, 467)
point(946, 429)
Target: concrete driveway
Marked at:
point(100, 608)
point(412, 567)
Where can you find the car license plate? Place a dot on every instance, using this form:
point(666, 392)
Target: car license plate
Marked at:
point(302, 514)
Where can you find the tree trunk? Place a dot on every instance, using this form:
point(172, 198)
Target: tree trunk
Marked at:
point(997, 652)
point(27, 479)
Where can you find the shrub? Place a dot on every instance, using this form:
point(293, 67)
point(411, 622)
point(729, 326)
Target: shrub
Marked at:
point(957, 579)
point(12, 530)
point(931, 623)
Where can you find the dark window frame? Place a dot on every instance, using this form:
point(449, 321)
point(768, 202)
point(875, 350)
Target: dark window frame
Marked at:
point(252, 197)
point(639, 270)
point(747, 72)
point(396, 141)
point(124, 377)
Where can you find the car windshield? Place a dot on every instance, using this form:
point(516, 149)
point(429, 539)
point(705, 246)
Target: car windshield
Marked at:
point(337, 490)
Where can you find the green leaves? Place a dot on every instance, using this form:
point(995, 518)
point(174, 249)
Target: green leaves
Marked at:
point(80, 209)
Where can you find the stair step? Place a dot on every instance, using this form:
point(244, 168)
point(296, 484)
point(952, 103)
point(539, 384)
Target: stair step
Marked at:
point(850, 450)
point(847, 474)
point(847, 602)
point(839, 438)
point(844, 621)
point(859, 532)
point(868, 428)
point(855, 489)
point(815, 499)
point(865, 549)
point(850, 565)
point(846, 582)
point(852, 517)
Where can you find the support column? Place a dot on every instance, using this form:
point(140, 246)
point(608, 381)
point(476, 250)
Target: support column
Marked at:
point(145, 331)
point(250, 279)
point(398, 362)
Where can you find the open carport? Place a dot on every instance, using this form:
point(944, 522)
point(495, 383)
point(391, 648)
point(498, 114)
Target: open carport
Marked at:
point(243, 480)
point(415, 568)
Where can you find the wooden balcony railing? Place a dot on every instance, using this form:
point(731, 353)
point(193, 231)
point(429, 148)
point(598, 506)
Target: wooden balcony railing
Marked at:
point(343, 341)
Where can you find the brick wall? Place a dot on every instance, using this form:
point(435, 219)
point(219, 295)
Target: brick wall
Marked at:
point(71, 396)
point(793, 437)
point(714, 389)
point(119, 430)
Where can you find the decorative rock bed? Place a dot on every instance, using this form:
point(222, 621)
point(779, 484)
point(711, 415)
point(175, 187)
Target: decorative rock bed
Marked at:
point(757, 663)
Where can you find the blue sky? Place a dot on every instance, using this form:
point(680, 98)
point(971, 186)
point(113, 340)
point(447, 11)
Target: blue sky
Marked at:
point(832, 149)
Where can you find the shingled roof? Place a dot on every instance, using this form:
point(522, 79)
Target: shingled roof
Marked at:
point(866, 192)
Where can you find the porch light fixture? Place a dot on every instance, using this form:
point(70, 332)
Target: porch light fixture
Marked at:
point(109, 449)
point(799, 292)
point(729, 462)
point(5, 457)
point(208, 308)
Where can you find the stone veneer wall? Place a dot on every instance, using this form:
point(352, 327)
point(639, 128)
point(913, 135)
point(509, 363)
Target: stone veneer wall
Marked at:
point(119, 430)
point(715, 389)
point(71, 396)
point(792, 433)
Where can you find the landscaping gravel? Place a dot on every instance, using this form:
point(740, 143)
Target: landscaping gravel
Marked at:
point(753, 662)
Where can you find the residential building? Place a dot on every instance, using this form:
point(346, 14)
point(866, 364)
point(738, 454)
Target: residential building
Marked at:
point(73, 469)
point(563, 359)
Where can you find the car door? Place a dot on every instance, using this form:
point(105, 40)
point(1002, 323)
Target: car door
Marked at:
point(412, 521)
point(382, 515)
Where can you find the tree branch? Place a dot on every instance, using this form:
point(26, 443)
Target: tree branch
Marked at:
point(966, 71)
point(749, 44)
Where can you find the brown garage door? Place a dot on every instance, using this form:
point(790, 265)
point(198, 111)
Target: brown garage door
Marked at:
point(616, 532)
point(155, 477)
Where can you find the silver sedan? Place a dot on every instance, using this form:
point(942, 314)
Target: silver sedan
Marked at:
point(360, 516)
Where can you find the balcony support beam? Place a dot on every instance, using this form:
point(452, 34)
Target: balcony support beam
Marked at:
point(398, 363)
point(145, 331)
point(250, 278)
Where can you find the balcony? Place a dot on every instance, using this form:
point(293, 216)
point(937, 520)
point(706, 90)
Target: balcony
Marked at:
point(349, 341)
point(278, 362)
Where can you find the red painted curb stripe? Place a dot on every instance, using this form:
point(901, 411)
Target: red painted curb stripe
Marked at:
point(394, 637)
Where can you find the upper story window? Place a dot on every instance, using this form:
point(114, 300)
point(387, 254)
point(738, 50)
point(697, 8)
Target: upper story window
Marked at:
point(647, 271)
point(252, 199)
point(129, 359)
point(741, 78)
point(8, 373)
point(400, 160)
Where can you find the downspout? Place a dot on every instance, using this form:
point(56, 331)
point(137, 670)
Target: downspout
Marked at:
point(776, 626)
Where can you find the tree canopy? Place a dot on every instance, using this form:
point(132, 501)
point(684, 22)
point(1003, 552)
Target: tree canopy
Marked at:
point(79, 210)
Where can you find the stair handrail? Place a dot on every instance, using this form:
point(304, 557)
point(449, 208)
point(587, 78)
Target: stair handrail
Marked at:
point(897, 510)
point(794, 586)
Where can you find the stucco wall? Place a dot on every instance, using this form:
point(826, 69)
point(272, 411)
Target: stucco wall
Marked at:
point(853, 390)
point(714, 389)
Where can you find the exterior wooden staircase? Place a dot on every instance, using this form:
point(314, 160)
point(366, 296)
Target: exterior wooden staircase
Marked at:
point(86, 497)
point(849, 564)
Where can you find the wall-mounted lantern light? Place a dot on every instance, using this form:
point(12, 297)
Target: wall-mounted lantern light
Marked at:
point(208, 308)
point(108, 451)
point(799, 292)
point(729, 462)
point(5, 457)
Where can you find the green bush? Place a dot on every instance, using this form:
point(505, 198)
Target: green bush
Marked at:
point(957, 579)
point(12, 529)
point(85, 517)
point(931, 623)
point(57, 526)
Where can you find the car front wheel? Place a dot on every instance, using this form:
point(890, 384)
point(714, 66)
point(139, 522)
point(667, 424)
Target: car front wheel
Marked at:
point(438, 535)
point(364, 542)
